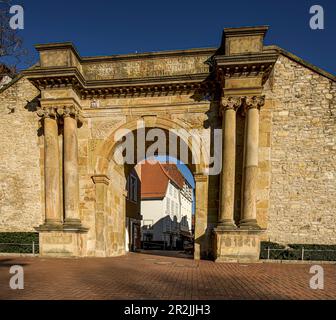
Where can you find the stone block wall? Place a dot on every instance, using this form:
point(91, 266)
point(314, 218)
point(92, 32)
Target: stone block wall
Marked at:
point(21, 206)
point(303, 155)
point(296, 197)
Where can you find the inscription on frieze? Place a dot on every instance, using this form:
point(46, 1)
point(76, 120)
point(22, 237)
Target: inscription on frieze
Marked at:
point(146, 68)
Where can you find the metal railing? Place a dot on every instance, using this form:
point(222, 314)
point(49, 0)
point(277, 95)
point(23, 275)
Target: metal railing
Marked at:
point(34, 247)
point(301, 252)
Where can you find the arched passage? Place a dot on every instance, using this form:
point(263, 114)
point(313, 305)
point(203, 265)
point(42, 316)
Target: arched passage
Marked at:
point(160, 208)
point(110, 179)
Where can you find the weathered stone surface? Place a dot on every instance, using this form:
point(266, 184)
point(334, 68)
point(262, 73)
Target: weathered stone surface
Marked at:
point(236, 246)
point(62, 244)
point(21, 204)
point(146, 68)
point(284, 168)
point(303, 155)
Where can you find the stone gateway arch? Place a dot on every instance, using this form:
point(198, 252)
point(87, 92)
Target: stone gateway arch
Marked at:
point(275, 112)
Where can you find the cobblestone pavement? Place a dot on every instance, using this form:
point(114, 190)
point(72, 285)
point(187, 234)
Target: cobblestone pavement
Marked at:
point(143, 276)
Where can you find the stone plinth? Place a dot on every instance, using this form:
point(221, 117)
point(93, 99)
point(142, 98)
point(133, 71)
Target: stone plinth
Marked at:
point(65, 242)
point(237, 245)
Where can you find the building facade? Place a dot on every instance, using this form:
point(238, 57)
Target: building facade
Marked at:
point(133, 212)
point(166, 206)
point(58, 128)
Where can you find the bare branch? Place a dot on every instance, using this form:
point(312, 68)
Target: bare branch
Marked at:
point(12, 51)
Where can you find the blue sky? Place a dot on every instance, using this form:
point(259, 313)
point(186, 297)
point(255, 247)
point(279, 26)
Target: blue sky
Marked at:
point(113, 27)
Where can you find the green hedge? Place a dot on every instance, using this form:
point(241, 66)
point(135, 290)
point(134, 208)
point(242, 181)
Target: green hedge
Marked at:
point(9, 242)
point(294, 252)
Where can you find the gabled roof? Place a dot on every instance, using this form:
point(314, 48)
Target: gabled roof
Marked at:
point(173, 173)
point(155, 179)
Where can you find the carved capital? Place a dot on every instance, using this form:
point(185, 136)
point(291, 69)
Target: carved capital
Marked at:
point(67, 111)
point(230, 103)
point(254, 102)
point(48, 112)
point(70, 111)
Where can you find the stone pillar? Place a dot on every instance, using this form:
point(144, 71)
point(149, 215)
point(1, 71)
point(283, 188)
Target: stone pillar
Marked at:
point(71, 177)
point(52, 183)
point(250, 171)
point(58, 238)
point(101, 182)
point(201, 198)
point(226, 210)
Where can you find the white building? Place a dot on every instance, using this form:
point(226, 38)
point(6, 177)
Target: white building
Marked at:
point(166, 206)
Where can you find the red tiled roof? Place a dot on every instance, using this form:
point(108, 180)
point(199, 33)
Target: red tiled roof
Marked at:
point(174, 174)
point(155, 178)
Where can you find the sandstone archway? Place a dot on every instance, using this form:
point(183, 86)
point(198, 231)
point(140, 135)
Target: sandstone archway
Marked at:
point(110, 180)
point(201, 89)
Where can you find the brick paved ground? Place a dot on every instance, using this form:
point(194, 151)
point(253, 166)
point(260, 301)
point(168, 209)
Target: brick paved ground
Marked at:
point(142, 276)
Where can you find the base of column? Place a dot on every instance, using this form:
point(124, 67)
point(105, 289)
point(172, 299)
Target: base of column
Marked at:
point(53, 223)
point(227, 225)
point(72, 223)
point(249, 224)
point(237, 245)
point(62, 241)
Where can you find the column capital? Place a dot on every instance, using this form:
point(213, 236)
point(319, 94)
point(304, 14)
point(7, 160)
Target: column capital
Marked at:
point(67, 111)
point(230, 103)
point(70, 111)
point(61, 108)
point(47, 112)
point(254, 102)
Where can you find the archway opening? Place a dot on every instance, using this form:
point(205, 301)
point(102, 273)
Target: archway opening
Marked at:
point(128, 146)
point(160, 208)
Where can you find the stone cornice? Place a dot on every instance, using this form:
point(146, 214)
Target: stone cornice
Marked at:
point(149, 55)
point(44, 78)
point(58, 46)
point(245, 31)
point(60, 103)
point(252, 65)
point(118, 57)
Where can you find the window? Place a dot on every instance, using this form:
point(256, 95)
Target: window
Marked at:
point(170, 189)
point(168, 206)
point(133, 192)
